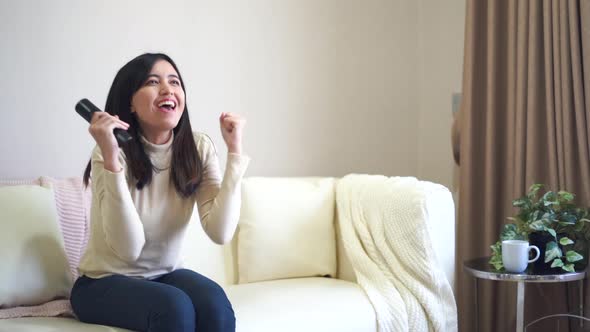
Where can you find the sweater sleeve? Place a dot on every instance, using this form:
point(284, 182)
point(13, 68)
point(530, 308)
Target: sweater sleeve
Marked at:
point(218, 200)
point(122, 227)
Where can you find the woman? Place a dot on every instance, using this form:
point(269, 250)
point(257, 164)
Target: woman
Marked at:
point(143, 196)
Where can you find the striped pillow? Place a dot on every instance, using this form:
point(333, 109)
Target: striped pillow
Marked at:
point(73, 209)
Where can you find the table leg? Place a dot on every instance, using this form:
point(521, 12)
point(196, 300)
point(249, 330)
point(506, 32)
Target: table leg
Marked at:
point(476, 307)
point(520, 307)
point(581, 304)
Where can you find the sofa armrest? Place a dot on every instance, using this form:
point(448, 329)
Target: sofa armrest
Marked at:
point(440, 216)
point(440, 210)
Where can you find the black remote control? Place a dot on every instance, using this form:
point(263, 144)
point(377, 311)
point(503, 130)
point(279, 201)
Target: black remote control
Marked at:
point(85, 108)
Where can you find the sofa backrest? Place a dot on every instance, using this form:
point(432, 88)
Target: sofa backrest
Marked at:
point(220, 262)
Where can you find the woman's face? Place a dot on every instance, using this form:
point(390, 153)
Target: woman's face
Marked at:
point(159, 103)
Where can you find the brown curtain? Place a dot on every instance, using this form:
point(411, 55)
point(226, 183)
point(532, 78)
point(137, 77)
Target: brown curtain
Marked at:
point(524, 119)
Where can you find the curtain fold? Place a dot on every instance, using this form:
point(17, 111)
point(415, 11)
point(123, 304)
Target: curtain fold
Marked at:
point(524, 119)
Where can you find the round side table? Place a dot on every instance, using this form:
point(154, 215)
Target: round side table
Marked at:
point(480, 268)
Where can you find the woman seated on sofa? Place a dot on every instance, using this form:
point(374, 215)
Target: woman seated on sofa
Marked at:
point(143, 196)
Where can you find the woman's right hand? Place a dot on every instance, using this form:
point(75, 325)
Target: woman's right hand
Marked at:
point(101, 128)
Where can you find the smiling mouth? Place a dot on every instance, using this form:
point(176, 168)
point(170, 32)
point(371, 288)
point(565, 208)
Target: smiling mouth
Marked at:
point(167, 106)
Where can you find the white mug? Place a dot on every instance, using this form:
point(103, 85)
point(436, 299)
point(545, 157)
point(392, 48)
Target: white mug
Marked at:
point(515, 255)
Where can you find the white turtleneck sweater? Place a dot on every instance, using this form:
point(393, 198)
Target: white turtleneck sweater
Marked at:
point(139, 233)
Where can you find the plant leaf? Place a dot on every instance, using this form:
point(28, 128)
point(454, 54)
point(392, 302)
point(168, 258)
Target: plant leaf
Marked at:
point(568, 218)
point(537, 225)
point(496, 262)
point(552, 232)
point(533, 190)
point(564, 241)
point(566, 196)
point(562, 223)
point(552, 251)
point(557, 263)
point(549, 198)
point(573, 256)
point(549, 216)
point(496, 259)
point(510, 232)
point(519, 202)
point(569, 268)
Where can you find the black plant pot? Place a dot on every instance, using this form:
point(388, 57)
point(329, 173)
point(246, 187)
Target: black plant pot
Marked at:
point(540, 239)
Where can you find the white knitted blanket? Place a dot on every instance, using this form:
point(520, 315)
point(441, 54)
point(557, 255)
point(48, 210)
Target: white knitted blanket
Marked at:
point(385, 235)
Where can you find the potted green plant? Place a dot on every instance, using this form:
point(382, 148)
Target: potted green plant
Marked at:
point(553, 223)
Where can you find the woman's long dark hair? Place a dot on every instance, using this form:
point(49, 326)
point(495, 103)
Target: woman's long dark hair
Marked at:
point(186, 164)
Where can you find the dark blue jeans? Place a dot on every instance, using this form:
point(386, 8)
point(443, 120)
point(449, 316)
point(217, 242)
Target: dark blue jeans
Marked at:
point(180, 301)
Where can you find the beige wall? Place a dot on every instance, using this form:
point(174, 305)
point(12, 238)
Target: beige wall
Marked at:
point(329, 87)
point(440, 57)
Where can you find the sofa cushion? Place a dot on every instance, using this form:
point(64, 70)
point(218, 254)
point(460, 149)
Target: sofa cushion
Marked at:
point(34, 266)
point(286, 229)
point(52, 324)
point(301, 304)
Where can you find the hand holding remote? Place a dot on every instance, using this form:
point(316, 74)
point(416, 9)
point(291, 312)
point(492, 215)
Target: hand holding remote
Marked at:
point(107, 130)
point(86, 109)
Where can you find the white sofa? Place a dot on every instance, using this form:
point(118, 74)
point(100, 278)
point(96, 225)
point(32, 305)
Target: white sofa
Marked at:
point(280, 301)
